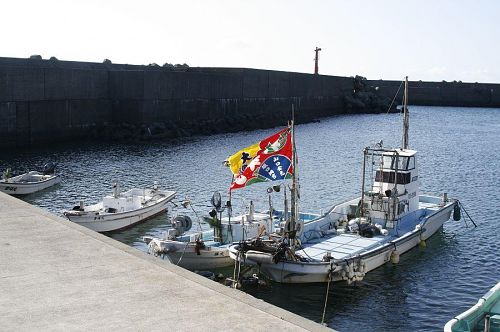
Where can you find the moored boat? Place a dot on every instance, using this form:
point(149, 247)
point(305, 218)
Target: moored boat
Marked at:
point(121, 209)
point(268, 160)
point(207, 249)
point(483, 316)
point(355, 237)
point(29, 182)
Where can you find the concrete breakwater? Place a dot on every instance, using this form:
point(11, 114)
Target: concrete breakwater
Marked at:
point(456, 93)
point(49, 100)
point(46, 100)
point(58, 276)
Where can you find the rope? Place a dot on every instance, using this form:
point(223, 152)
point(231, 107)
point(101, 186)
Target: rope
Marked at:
point(234, 270)
point(305, 253)
point(395, 96)
point(239, 271)
point(463, 208)
point(327, 291)
point(182, 255)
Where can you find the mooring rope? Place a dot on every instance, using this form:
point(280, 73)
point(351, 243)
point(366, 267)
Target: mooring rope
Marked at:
point(330, 272)
point(463, 208)
point(182, 255)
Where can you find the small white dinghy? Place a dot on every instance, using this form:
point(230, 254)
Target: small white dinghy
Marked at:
point(121, 210)
point(29, 182)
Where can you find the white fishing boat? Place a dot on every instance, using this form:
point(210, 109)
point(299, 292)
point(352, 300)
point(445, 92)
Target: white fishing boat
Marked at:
point(355, 237)
point(29, 182)
point(209, 249)
point(121, 209)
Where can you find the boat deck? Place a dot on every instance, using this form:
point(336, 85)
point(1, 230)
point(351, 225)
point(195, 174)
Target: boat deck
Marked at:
point(428, 206)
point(340, 246)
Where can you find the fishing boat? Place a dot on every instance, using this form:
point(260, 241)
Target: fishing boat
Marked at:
point(483, 316)
point(268, 160)
point(207, 249)
point(121, 209)
point(389, 218)
point(29, 182)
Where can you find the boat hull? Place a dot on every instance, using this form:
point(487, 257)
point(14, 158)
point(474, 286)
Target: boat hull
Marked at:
point(476, 318)
point(207, 259)
point(116, 221)
point(353, 268)
point(185, 254)
point(15, 188)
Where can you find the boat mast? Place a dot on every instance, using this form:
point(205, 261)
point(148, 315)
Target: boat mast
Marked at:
point(406, 121)
point(293, 190)
point(362, 202)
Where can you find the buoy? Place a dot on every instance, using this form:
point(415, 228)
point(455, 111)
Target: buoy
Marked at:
point(422, 244)
point(456, 212)
point(395, 257)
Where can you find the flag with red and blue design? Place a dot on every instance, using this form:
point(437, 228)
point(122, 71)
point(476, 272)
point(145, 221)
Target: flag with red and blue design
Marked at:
point(272, 162)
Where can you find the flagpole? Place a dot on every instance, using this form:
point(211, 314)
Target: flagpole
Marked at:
point(230, 203)
point(293, 216)
point(229, 207)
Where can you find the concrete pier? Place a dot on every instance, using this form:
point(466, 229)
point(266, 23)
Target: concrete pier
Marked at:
point(56, 275)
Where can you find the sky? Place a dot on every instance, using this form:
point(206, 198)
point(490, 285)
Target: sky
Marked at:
point(426, 40)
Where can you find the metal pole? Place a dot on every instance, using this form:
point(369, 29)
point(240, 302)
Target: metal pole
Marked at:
point(316, 60)
point(406, 121)
point(361, 208)
point(270, 207)
point(286, 203)
point(395, 192)
point(294, 180)
point(230, 207)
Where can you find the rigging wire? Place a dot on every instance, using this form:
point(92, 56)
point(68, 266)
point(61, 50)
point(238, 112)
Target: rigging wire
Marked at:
point(395, 96)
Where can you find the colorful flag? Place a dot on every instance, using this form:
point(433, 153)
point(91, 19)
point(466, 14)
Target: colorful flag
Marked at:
point(268, 160)
point(239, 161)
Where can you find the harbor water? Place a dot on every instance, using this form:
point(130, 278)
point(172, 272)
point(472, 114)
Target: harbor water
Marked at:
point(458, 153)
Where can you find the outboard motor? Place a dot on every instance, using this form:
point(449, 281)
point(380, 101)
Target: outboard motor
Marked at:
point(49, 168)
point(180, 225)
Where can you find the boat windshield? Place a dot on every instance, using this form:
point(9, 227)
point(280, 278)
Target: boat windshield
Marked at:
point(401, 163)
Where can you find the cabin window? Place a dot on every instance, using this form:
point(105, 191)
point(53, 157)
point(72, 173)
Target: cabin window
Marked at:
point(401, 207)
point(411, 163)
point(388, 177)
point(387, 162)
point(402, 163)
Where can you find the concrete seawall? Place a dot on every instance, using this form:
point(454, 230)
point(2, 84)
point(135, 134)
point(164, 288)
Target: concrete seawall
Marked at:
point(443, 93)
point(56, 275)
point(45, 101)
